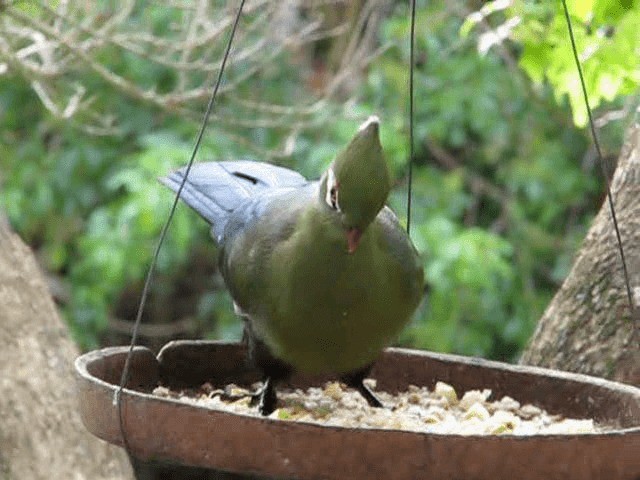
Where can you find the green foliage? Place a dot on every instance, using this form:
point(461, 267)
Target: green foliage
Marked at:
point(119, 237)
point(502, 194)
point(469, 270)
point(606, 34)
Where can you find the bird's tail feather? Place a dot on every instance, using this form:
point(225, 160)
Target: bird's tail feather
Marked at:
point(216, 189)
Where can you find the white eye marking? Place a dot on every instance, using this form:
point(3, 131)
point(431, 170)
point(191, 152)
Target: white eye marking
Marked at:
point(331, 197)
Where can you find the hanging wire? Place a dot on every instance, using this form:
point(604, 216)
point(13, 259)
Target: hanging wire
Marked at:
point(605, 174)
point(412, 36)
point(145, 291)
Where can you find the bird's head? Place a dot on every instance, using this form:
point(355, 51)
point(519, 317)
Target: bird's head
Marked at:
point(357, 183)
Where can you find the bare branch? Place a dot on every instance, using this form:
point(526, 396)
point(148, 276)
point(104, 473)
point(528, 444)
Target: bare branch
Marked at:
point(60, 48)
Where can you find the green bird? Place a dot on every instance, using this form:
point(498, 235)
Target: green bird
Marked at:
point(322, 272)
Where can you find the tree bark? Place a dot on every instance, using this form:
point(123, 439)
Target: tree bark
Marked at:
point(588, 326)
point(41, 434)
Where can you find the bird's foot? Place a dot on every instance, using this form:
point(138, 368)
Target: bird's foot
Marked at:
point(265, 398)
point(368, 395)
point(356, 380)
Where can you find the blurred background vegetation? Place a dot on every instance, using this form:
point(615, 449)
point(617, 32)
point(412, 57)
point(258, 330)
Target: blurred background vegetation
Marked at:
point(98, 99)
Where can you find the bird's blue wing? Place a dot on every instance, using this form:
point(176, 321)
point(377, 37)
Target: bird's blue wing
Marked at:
point(216, 189)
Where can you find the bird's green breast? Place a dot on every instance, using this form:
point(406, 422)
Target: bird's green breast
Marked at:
point(320, 308)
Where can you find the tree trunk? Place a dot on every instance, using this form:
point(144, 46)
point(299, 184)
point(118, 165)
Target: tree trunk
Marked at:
point(41, 435)
point(588, 326)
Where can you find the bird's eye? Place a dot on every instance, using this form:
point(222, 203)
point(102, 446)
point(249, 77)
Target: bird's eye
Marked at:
point(332, 191)
point(333, 198)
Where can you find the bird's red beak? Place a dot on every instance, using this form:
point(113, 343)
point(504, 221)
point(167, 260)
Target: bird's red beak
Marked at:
point(353, 239)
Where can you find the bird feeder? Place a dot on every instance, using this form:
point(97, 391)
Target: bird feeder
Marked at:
point(169, 432)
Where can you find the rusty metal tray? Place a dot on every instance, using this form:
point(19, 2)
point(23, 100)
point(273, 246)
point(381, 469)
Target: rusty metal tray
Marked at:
point(163, 429)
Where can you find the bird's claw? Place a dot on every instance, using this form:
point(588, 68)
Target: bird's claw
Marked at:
point(265, 398)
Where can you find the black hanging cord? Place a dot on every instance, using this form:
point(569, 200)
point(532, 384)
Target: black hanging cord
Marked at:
point(163, 233)
point(605, 174)
point(412, 36)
